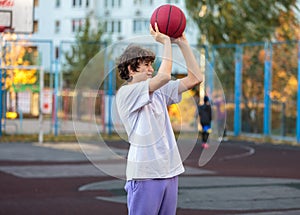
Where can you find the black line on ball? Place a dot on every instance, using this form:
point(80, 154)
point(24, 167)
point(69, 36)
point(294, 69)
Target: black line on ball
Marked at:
point(156, 17)
point(168, 19)
point(181, 13)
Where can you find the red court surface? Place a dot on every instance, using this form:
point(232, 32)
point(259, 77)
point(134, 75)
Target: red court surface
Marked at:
point(61, 196)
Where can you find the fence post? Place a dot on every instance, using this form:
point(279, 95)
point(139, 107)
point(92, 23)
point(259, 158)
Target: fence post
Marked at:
point(1, 105)
point(110, 95)
point(298, 98)
point(267, 88)
point(237, 90)
point(41, 103)
point(56, 98)
point(210, 69)
point(1, 91)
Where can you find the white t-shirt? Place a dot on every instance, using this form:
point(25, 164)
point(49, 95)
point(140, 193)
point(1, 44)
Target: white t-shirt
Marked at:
point(153, 151)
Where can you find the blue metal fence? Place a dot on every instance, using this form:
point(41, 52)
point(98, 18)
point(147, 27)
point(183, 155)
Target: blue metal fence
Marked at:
point(272, 117)
point(261, 114)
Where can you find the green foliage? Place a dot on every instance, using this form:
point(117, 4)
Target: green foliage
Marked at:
point(246, 21)
point(50, 138)
point(87, 45)
point(228, 21)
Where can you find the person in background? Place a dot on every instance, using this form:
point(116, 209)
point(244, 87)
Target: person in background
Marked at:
point(205, 117)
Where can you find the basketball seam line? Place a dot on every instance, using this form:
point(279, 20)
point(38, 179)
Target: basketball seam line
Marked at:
point(168, 19)
point(179, 25)
point(156, 18)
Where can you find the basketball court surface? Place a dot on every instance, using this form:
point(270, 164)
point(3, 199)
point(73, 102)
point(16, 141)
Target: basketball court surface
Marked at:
point(52, 178)
point(242, 178)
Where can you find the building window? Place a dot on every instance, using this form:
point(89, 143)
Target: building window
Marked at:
point(140, 25)
point(143, 2)
point(119, 27)
point(112, 3)
point(173, 1)
point(77, 24)
point(77, 3)
point(112, 26)
point(87, 3)
point(57, 26)
point(35, 26)
point(57, 3)
point(56, 52)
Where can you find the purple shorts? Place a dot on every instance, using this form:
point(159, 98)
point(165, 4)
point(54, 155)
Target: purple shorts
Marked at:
point(152, 196)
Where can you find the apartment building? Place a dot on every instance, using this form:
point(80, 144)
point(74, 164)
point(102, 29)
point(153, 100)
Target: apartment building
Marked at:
point(57, 21)
point(121, 19)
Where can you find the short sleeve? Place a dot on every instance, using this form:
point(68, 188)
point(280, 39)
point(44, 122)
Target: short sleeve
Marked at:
point(170, 92)
point(132, 97)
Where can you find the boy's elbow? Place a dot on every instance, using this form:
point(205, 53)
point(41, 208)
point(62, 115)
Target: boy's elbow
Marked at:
point(198, 79)
point(196, 83)
point(193, 83)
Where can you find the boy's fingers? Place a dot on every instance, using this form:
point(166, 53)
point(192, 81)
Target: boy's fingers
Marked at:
point(150, 28)
point(152, 32)
point(156, 27)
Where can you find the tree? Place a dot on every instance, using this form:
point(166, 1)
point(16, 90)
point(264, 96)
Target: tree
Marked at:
point(227, 21)
point(87, 45)
point(246, 21)
point(19, 79)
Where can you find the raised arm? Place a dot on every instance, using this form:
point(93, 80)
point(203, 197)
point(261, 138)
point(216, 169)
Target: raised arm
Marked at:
point(194, 76)
point(163, 75)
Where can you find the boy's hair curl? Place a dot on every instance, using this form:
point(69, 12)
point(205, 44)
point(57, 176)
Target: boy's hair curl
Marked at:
point(133, 56)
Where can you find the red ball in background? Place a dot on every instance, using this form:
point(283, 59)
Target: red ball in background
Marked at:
point(170, 20)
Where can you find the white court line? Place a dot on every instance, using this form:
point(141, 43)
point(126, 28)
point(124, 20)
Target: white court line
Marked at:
point(250, 151)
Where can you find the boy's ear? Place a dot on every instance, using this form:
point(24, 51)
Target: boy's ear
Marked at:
point(130, 70)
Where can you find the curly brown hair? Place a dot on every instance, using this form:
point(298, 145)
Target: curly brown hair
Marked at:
point(133, 55)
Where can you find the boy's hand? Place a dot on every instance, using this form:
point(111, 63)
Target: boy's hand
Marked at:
point(158, 36)
point(180, 40)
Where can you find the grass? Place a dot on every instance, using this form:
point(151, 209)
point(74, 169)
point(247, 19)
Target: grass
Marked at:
point(262, 140)
point(29, 138)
